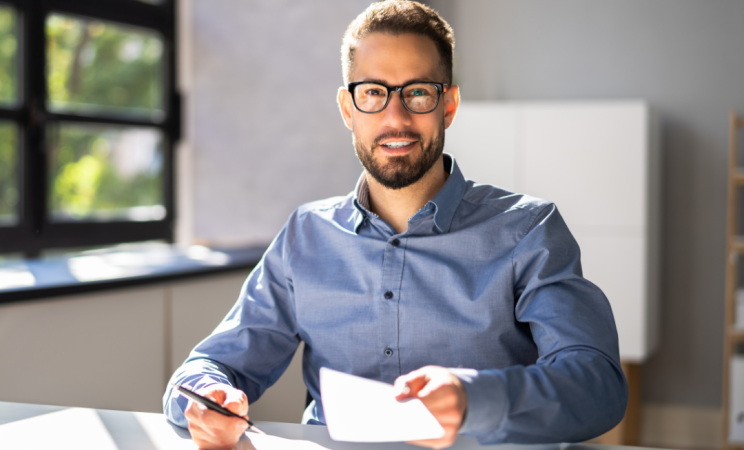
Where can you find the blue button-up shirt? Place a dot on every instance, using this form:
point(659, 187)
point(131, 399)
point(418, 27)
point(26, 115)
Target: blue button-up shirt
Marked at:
point(484, 281)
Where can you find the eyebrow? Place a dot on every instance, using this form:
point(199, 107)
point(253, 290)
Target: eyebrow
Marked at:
point(414, 80)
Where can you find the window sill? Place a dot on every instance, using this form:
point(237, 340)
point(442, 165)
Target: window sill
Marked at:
point(118, 267)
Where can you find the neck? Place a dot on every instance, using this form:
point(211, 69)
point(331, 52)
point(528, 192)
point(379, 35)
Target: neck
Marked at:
point(396, 206)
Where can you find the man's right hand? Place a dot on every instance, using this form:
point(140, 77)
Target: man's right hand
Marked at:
point(212, 430)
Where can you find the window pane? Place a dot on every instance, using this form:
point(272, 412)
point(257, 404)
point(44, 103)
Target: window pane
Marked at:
point(8, 174)
point(8, 57)
point(96, 66)
point(103, 172)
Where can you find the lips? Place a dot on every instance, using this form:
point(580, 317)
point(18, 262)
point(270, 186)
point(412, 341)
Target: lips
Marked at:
point(397, 148)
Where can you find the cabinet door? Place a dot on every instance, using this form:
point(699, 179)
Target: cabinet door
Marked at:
point(102, 350)
point(594, 160)
point(590, 159)
point(483, 140)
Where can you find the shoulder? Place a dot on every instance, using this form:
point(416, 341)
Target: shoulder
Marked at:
point(500, 200)
point(331, 203)
point(328, 209)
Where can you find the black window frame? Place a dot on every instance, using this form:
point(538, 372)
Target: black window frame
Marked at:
point(34, 232)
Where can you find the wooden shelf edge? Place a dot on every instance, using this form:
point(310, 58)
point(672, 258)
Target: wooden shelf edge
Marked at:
point(736, 335)
point(737, 244)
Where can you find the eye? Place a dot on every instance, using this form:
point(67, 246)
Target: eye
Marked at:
point(374, 92)
point(420, 90)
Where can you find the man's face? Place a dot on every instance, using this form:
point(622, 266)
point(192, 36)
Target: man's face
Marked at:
point(395, 146)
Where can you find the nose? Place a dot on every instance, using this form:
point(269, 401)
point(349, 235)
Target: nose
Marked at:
point(395, 114)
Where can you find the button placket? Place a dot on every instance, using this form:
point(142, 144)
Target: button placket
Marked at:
point(389, 308)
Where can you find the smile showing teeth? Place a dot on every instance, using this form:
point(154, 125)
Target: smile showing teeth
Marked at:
point(396, 144)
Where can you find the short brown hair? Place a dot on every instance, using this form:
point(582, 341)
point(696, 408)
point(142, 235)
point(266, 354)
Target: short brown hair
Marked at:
point(399, 17)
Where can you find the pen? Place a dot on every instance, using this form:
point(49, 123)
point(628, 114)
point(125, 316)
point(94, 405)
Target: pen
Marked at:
point(215, 406)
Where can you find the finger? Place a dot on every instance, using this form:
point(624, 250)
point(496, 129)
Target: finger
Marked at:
point(408, 386)
point(237, 402)
point(215, 393)
point(434, 386)
point(218, 423)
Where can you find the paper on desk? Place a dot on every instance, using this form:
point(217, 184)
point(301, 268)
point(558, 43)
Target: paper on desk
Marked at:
point(361, 410)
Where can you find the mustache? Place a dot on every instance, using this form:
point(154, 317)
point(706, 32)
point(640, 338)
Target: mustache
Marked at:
point(397, 134)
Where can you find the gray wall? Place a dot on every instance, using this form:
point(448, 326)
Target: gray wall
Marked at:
point(686, 57)
point(263, 125)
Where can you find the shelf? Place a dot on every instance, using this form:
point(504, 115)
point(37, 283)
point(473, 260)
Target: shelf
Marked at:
point(738, 244)
point(736, 335)
point(739, 177)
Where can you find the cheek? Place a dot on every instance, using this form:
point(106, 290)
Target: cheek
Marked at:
point(363, 128)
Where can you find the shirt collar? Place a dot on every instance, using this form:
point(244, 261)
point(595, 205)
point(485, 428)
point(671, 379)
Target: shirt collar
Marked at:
point(361, 201)
point(445, 202)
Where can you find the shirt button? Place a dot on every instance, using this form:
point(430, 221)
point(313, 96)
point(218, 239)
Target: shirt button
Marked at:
point(388, 352)
point(395, 242)
point(388, 295)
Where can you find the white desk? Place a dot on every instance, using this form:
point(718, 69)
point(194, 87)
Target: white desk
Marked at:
point(52, 427)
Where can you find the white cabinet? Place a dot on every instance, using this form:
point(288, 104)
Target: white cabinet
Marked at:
point(599, 162)
point(99, 350)
point(117, 349)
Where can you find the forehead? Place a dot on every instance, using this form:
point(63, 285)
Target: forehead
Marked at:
point(395, 59)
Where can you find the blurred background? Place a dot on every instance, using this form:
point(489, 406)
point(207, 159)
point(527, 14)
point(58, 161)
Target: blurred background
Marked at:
point(206, 122)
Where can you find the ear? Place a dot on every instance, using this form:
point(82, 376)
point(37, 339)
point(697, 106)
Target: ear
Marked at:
point(345, 105)
point(451, 103)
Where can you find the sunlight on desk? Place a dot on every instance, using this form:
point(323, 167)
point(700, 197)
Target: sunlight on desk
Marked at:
point(74, 428)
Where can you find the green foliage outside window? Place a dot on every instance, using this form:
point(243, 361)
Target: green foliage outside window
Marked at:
point(96, 66)
point(102, 172)
point(8, 168)
point(8, 58)
point(94, 177)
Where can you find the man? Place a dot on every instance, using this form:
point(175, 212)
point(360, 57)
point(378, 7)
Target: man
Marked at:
point(466, 296)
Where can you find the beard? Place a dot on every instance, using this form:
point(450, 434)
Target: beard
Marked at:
point(401, 171)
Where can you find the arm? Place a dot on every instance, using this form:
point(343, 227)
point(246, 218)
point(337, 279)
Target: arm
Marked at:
point(253, 345)
point(576, 390)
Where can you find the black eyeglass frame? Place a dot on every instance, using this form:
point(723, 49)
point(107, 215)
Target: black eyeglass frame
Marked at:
point(440, 87)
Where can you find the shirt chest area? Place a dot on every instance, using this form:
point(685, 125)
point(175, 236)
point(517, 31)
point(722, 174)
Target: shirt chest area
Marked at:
point(404, 300)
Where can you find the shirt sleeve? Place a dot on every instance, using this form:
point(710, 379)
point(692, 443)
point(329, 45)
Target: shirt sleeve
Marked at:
point(576, 390)
point(254, 343)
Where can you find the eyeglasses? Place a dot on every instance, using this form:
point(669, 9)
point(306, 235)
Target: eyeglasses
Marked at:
point(418, 98)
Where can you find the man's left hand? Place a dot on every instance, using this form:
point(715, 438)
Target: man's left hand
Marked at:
point(442, 393)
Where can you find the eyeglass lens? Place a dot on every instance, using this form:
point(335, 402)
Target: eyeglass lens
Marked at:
point(420, 98)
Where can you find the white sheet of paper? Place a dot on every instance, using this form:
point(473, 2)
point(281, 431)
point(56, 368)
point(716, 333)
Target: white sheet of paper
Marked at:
point(361, 410)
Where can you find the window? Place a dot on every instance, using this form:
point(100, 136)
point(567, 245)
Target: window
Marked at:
point(89, 116)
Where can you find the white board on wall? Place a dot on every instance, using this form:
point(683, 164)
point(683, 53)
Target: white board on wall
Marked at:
point(596, 161)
